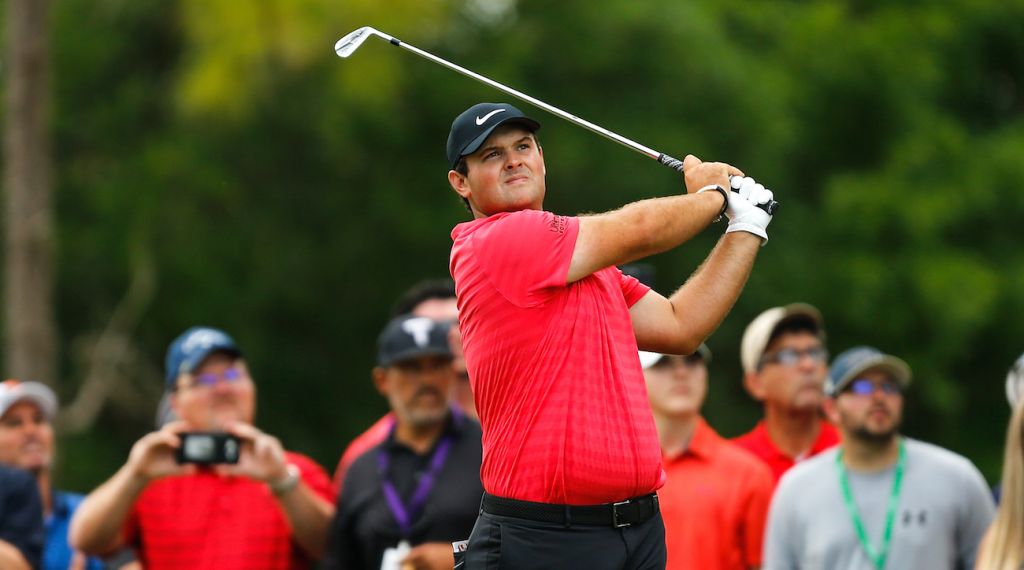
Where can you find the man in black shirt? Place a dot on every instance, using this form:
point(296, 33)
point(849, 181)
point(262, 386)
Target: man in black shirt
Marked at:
point(21, 520)
point(406, 500)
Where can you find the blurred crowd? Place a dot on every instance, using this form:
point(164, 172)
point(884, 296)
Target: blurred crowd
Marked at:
point(824, 479)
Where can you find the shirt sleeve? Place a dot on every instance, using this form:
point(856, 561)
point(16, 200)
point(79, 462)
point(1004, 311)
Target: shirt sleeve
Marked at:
point(976, 513)
point(130, 529)
point(21, 515)
point(526, 254)
point(632, 289)
point(759, 495)
point(314, 476)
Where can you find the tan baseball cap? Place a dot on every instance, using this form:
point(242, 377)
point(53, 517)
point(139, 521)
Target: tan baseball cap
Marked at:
point(760, 330)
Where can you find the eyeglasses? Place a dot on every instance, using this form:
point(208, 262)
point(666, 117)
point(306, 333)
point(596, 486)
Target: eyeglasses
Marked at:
point(867, 387)
point(792, 356)
point(210, 379)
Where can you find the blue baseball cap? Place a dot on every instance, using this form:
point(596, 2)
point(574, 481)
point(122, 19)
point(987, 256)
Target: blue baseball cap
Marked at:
point(854, 362)
point(475, 124)
point(192, 347)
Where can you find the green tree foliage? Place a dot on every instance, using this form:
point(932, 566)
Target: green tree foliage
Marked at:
point(289, 196)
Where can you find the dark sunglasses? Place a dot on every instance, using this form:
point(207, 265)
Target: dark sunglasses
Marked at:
point(792, 357)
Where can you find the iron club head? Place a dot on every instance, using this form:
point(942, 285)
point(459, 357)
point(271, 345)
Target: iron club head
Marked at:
point(350, 43)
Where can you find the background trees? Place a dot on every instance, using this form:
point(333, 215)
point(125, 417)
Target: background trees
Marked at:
point(215, 164)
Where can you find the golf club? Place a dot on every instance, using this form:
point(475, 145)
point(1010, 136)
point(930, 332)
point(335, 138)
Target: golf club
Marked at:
point(347, 45)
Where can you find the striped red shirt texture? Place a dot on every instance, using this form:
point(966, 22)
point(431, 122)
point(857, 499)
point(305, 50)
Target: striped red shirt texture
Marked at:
point(553, 365)
point(208, 521)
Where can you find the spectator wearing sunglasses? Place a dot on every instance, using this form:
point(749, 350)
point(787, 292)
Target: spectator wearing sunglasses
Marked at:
point(270, 510)
point(878, 500)
point(715, 499)
point(785, 364)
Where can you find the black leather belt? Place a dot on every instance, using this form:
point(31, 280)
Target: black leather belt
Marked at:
point(617, 515)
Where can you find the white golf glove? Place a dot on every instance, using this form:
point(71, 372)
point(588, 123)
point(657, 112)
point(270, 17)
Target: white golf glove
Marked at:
point(743, 212)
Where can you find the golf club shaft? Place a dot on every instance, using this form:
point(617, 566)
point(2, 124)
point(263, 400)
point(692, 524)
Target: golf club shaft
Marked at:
point(661, 157)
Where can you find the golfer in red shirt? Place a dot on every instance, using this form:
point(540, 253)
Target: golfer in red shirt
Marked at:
point(550, 331)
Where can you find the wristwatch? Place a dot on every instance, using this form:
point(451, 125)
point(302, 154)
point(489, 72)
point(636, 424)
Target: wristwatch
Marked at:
point(286, 483)
point(725, 196)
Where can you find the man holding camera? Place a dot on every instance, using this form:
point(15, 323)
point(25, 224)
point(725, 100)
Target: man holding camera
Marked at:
point(180, 503)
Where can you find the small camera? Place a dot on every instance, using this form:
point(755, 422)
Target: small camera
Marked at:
point(208, 448)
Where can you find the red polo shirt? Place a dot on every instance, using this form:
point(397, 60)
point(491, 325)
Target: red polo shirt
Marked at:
point(758, 442)
point(714, 504)
point(553, 365)
point(206, 521)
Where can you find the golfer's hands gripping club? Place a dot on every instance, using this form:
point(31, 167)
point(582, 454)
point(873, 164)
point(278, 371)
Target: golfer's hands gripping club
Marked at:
point(698, 174)
point(746, 212)
point(681, 166)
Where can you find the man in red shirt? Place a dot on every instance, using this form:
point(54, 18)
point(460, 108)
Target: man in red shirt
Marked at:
point(269, 511)
point(715, 501)
point(550, 330)
point(785, 365)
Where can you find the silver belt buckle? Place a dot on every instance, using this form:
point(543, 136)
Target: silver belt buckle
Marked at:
point(615, 515)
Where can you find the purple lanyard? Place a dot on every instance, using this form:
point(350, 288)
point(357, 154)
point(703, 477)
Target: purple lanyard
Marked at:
point(405, 514)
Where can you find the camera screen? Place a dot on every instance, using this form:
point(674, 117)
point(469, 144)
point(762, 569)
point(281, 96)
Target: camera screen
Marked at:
point(200, 447)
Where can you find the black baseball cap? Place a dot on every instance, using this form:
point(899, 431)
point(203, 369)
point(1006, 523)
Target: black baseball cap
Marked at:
point(475, 124)
point(406, 337)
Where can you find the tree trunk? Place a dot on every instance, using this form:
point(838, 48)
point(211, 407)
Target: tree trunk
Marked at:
point(30, 332)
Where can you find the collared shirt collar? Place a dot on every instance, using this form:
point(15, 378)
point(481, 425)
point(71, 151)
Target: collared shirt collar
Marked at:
point(455, 425)
point(828, 436)
point(702, 442)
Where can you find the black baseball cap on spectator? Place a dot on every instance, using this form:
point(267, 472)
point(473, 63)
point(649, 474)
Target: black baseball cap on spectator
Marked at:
point(475, 124)
point(406, 337)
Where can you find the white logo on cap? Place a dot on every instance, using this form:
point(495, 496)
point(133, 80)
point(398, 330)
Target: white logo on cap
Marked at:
point(482, 120)
point(202, 339)
point(419, 328)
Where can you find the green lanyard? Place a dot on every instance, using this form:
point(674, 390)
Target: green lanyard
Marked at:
point(877, 557)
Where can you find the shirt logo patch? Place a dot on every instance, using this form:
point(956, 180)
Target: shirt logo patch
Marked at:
point(909, 517)
point(558, 224)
